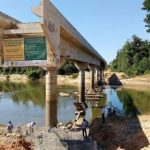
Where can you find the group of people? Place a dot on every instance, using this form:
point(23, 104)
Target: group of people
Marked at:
point(84, 125)
point(30, 127)
point(108, 112)
point(105, 112)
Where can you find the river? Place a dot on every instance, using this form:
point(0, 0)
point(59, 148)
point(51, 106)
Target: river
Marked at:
point(22, 103)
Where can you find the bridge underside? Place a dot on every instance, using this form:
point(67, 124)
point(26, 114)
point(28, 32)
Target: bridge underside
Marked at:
point(63, 42)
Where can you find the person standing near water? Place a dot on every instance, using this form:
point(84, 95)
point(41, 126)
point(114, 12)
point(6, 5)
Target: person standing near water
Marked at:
point(10, 127)
point(84, 125)
point(30, 127)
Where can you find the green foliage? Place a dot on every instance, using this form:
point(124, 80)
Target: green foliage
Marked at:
point(31, 72)
point(135, 100)
point(146, 7)
point(128, 103)
point(147, 72)
point(68, 69)
point(74, 75)
point(133, 58)
point(34, 73)
point(37, 72)
point(24, 93)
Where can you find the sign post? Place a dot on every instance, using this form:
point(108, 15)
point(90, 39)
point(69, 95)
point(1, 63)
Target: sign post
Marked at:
point(24, 52)
point(35, 48)
point(13, 49)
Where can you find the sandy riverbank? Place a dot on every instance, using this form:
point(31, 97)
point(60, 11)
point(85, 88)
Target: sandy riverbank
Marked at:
point(110, 78)
point(120, 78)
point(59, 138)
point(61, 79)
point(122, 133)
point(117, 133)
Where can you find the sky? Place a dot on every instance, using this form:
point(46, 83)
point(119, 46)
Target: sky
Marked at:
point(105, 24)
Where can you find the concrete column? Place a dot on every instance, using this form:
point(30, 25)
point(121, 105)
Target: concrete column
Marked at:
point(97, 76)
point(91, 89)
point(1, 51)
point(51, 97)
point(101, 76)
point(81, 67)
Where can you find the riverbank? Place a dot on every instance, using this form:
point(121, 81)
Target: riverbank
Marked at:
point(122, 133)
point(118, 133)
point(111, 78)
point(14, 78)
point(60, 138)
point(120, 78)
point(61, 79)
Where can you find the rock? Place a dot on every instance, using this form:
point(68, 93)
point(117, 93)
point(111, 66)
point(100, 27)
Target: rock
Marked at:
point(63, 94)
point(63, 127)
point(60, 124)
point(8, 134)
point(76, 93)
point(18, 135)
point(69, 126)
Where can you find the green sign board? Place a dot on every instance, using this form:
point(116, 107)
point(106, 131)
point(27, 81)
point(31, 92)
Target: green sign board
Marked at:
point(35, 48)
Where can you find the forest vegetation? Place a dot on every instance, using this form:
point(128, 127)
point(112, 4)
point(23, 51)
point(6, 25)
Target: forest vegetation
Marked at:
point(133, 58)
point(146, 6)
point(36, 72)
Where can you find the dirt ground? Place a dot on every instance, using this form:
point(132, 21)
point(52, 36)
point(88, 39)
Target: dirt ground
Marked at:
point(122, 133)
point(120, 78)
point(118, 133)
point(13, 141)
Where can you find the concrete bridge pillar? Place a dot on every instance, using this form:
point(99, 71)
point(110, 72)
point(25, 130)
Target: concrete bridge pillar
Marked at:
point(51, 97)
point(92, 70)
point(97, 76)
point(101, 76)
point(81, 67)
point(1, 46)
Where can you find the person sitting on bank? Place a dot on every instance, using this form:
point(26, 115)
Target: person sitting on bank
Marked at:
point(103, 114)
point(84, 125)
point(10, 127)
point(30, 128)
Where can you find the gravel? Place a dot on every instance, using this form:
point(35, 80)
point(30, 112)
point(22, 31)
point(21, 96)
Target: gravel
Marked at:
point(61, 139)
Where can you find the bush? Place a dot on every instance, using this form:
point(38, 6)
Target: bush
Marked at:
point(147, 72)
point(74, 75)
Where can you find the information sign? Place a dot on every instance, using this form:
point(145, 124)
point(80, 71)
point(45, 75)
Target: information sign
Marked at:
point(35, 48)
point(13, 49)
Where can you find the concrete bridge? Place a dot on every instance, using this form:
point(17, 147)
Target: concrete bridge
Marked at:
point(63, 43)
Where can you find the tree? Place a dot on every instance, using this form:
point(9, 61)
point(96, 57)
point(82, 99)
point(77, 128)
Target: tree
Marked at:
point(146, 7)
point(133, 58)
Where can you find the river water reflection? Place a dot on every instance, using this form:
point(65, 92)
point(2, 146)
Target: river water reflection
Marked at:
point(23, 103)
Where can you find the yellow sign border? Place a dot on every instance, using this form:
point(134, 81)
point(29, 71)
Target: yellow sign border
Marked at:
point(13, 49)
